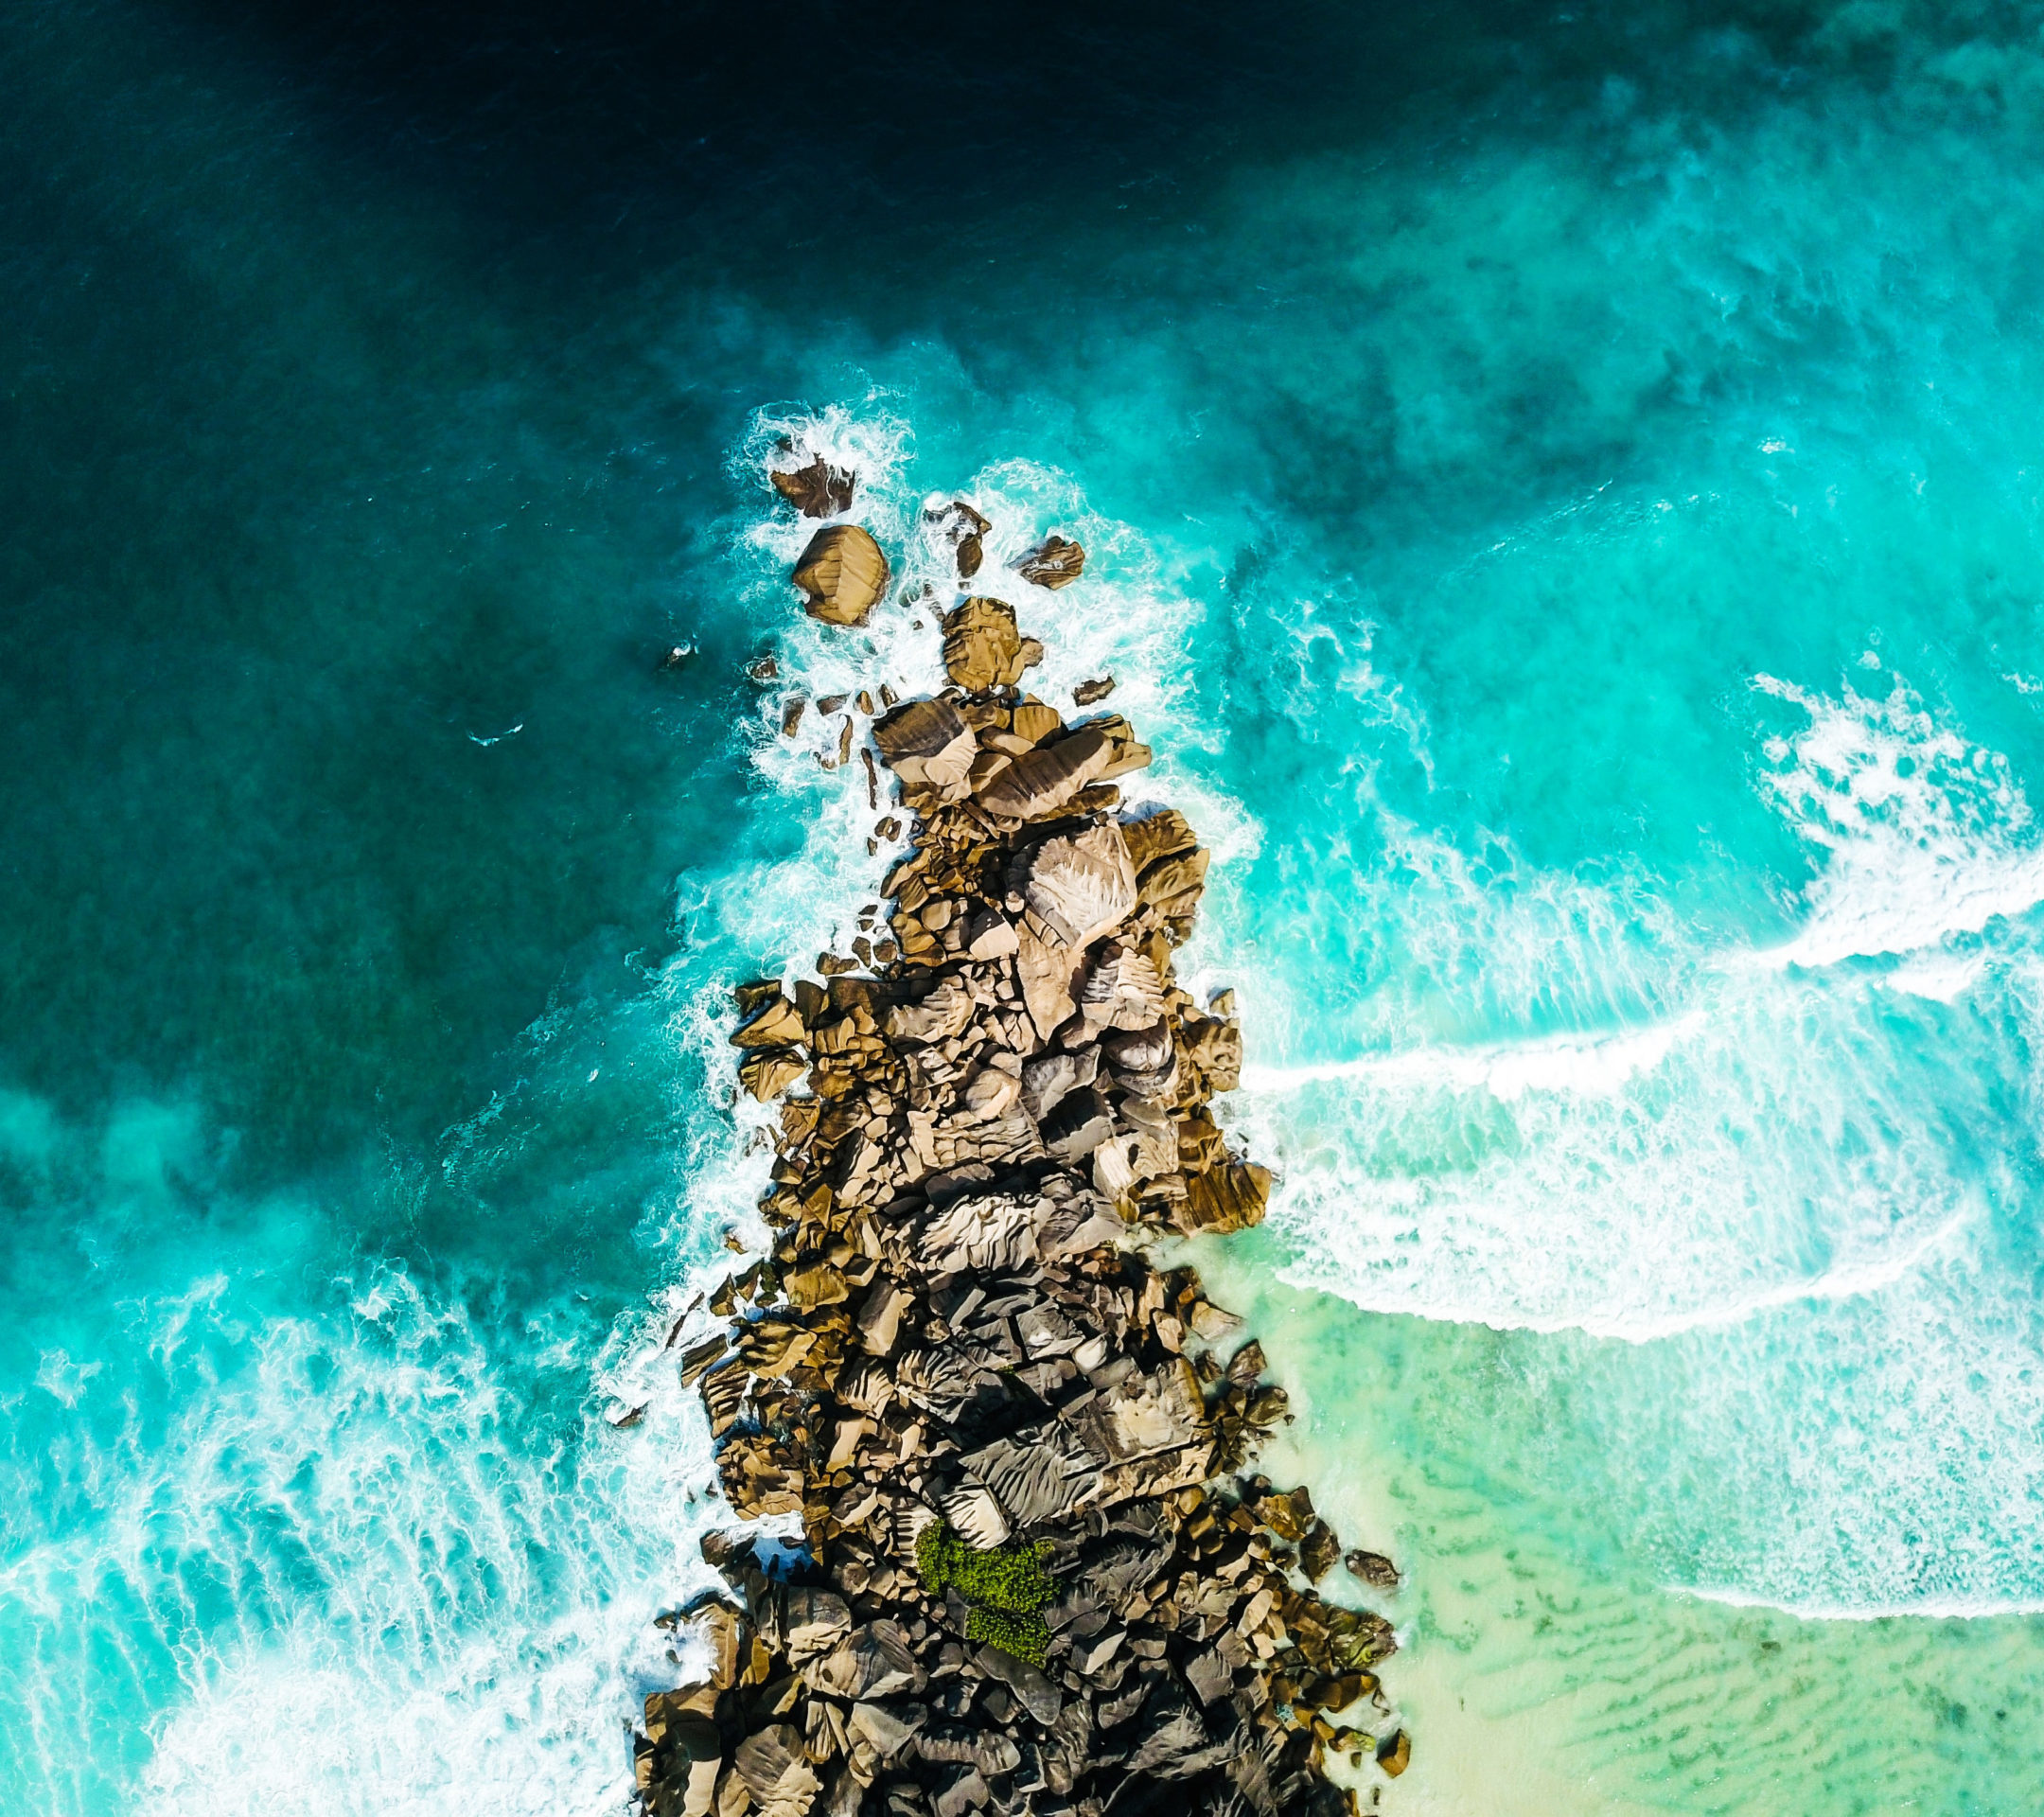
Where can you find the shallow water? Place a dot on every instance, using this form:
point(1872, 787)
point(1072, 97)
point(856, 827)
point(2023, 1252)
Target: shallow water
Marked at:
point(1561, 493)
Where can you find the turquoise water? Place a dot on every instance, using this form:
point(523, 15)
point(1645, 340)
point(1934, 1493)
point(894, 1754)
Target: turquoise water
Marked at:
point(1562, 491)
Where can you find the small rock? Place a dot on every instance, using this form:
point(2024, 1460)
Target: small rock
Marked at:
point(1394, 1753)
point(1318, 1550)
point(1056, 564)
point(1373, 1568)
point(1090, 693)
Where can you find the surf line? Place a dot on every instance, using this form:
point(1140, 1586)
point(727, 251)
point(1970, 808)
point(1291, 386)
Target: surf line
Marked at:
point(1036, 1572)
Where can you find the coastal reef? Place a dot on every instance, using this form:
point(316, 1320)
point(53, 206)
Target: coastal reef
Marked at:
point(1035, 1571)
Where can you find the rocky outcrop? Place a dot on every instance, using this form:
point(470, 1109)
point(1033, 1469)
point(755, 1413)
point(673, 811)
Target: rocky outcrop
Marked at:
point(1037, 1574)
point(843, 573)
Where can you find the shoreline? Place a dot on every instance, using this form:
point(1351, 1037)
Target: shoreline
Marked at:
point(1036, 1574)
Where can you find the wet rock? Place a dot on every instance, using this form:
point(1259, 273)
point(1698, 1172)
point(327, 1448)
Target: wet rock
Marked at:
point(964, 527)
point(1056, 563)
point(1373, 1568)
point(1318, 1550)
point(774, 1025)
point(818, 490)
point(1225, 1198)
point(1394, 1753)
point(1089, 694)
point(843, 573)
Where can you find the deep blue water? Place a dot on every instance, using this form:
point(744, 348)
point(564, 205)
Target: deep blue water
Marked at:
point(1562, 492)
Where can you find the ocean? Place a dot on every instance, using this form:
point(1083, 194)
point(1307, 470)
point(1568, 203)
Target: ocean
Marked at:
point(1561, 493)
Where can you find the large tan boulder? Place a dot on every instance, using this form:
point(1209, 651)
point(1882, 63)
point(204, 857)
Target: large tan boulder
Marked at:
point(1048, 969)
point(1041, 782)
point(843, 573)
point(1175, 878)
point(928, 744)
point(1079, 886)
point(1157, 835)
point(778, 1024)
point(940, 1016)
point(983, 648)
point(769, 1071)
point(1144, 1414)
point(772, 1766)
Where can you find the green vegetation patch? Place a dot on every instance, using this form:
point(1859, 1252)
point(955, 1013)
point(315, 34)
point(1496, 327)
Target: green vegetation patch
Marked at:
point(1003, 1589)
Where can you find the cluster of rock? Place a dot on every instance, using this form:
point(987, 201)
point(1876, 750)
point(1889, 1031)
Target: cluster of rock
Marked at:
point(1034, 1574)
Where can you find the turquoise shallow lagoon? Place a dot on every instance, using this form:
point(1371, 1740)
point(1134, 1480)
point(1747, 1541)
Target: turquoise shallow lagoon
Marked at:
point(1562, 494)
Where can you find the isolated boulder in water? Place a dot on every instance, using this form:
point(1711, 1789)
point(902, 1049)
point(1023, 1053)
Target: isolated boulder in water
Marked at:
point(818, 490)
point(1058, 563)
point(1373, 1568)
point(843, 572)
point(982, 649)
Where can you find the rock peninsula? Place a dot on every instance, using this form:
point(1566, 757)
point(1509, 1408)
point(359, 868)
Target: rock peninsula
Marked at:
point(1037, 1572)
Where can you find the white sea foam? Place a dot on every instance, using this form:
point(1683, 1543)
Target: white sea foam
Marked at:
point(1924, 1608)
point(1923, 835)
point(342, 1569)
point(1507, 1071)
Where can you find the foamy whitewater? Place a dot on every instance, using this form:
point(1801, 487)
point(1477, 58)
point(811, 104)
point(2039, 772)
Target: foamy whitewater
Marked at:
point(1559, 497)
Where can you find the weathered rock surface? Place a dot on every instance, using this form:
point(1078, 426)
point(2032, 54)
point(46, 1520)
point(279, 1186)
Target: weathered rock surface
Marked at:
point(1035, 1577)
point(1057, 563)
point(843, 573)
point(982, 649)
